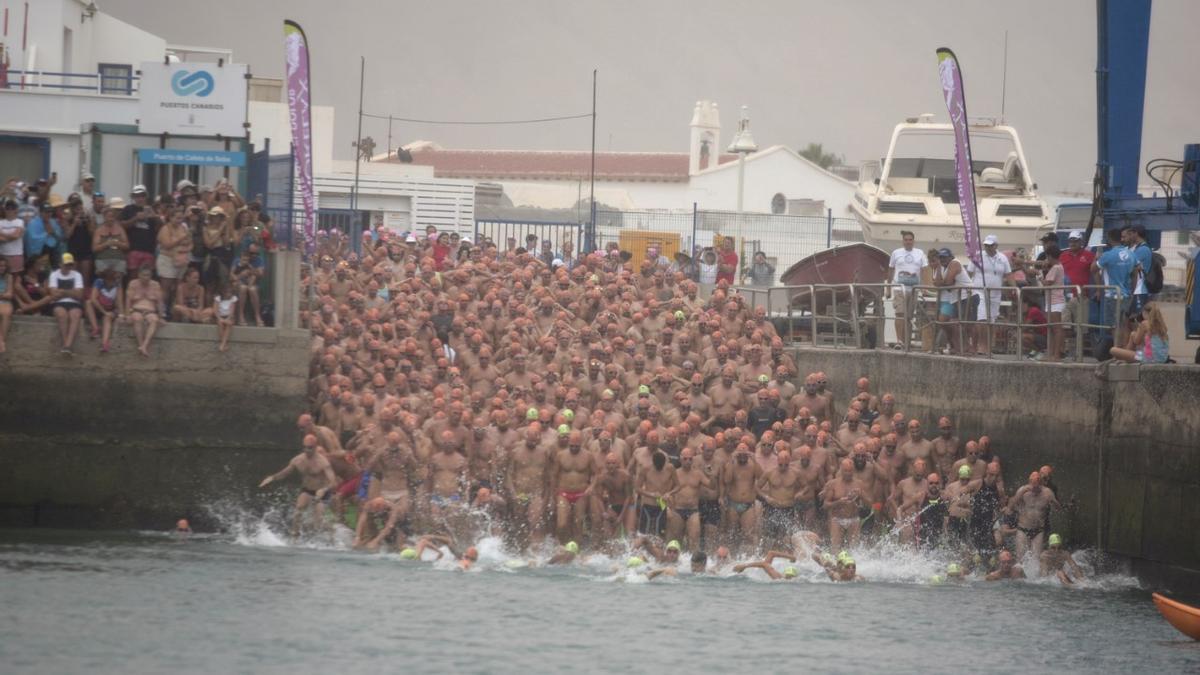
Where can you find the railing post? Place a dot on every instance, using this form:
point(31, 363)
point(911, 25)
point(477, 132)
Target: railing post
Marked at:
point(812, 312)
point(1078, 326)
point(1019, 304)
point(854, 317)
point(828, 228)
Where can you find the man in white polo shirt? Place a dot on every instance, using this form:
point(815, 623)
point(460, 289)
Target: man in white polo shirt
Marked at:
point(904, 269)
point(996, 272)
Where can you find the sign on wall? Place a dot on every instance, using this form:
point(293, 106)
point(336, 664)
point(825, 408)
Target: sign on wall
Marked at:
point(193, 99)
point(191, 157)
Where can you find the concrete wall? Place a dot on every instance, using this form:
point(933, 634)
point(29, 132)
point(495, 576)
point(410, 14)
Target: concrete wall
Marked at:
point(1125, 443)
point(122, 441)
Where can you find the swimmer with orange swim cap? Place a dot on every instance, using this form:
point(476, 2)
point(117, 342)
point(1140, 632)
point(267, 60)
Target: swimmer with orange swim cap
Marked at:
point(1032, 504)
point(182, 528)
point(316, 480)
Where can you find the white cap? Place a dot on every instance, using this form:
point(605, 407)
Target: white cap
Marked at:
point(87, 175)
point(1075, 234)
point(990, 240)
point(138, 189)
point(410, 239)
point(185, 183)
point(467, 240)
point(557, 262)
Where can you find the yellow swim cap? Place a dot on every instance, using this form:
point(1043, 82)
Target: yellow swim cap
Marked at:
point(634, 561)
point(1055, 540)
point(572, 547)
point(568, 415)
point(936, 579)
point(531, 414)
point(408, 553)
point(673, 545)
point(953, 570)
point(964, 471)
point(563, 430)
point(789, 572)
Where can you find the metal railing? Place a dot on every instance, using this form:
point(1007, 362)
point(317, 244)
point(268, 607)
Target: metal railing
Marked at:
point(858, 316)
point(96, 83)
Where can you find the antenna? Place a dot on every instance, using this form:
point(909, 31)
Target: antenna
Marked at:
point(1004, 79)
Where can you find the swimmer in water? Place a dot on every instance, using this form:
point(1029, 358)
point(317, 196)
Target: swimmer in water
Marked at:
point(667, 555)
point(183, 529)
point(766, 565)
point(435, 543)
point(699, 565)
point(1008, 569)
point(1056, 559)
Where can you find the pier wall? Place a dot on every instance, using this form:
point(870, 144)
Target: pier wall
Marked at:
point(118, 440)
point(1124, 443)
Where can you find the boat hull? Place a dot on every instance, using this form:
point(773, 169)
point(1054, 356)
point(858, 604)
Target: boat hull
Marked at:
point(886, 235)
point(1185, 618)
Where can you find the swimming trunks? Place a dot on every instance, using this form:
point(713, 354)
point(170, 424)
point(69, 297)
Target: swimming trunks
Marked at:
point(1031, 532)
point(394, 495)
point(571, 497)
point(439, 500)
point(847, 522)
point(349, 487)
point(685, 514)
point(650, 519)
point(741, 507)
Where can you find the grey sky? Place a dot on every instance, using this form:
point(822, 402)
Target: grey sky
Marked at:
point(841, 73)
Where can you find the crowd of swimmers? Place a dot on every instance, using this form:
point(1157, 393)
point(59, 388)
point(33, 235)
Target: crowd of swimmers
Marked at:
point(602, 405)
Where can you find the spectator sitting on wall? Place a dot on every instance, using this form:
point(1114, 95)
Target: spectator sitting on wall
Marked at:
point(30, 290)
point(7, 301)
point(1148, 343)
point(144, 306)
point(190, 302)
point(247, 273)
point(761, 272)
point(104, 306)
point(64, 287)
point(224, 305)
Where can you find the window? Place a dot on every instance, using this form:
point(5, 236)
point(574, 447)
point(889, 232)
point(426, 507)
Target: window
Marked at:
point(116, 78)
point(160, 179)
point(778, 204)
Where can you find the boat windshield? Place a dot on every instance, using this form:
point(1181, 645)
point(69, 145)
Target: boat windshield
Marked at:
point(923, 163)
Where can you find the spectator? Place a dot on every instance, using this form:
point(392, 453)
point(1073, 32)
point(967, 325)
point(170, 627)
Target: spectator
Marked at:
point(707, 269)
point(995, 274)
point(12, 237)
point(761, 272)
point(952, 304)
point(78, 228)
point(1077, 270)
point(1117, 265)
point(1053, 275)
point(64, 287)
point(246, 275)
point(44, 235)
point(7, 299)
point(223, 307)
point(727, 262)
point(218, 248)
point(1134, 238)
point(107, 299)
point(109, 241)
point(226, 198)
point(904, 268)
point(1033, 335)
point(144, 306)
point(190, 305)
point(141, 228)
point(87, 194)
point(174, 250)
point(686, 266)
point(30, 291)
point(1149, 343)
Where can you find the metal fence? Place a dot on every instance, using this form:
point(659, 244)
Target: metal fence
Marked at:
point(783, 238)
point(865, 316)
point(530, 234)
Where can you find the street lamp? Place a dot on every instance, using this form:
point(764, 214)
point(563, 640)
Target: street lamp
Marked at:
point(743, 144)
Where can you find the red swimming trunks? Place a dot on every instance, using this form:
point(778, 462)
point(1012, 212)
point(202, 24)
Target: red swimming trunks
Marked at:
point(571, 497)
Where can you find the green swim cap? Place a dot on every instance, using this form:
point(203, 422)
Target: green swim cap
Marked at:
point(568, 415)
point(680, 315)
point(964, 471)
point(826, 558)
point(634, 561)
point(408, 553)
point(572, 547)
point(531, 414)
point(673, 545)
point(563, 430)
point(937, 579)
point(763, 378)
point(607, 392)
point(1055, 540)
point(789, 572)
point(643, 389)
point(595, 279)
point(847, 561)
point(953, 570)
point(843, 556)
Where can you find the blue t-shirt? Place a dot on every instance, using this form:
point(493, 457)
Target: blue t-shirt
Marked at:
point(1117, 262)
point(36, 238)
point(1143, 255)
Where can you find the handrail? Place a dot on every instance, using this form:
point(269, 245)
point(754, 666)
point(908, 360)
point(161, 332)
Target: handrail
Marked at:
point(866, 306)
point(20, 80)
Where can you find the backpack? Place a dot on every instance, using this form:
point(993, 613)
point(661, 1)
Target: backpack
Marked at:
point(1154, 276)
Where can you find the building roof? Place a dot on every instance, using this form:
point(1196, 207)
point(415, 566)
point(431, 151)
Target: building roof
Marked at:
point(669, 167)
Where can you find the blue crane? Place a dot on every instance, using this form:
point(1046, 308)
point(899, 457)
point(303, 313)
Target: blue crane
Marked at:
point(1123, 40)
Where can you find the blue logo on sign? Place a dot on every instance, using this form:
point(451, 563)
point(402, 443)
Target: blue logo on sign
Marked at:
point(199, 83)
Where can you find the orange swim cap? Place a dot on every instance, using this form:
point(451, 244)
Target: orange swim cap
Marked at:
point(182, 524)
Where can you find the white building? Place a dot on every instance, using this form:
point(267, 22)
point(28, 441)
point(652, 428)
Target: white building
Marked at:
point(777, 180)
point(83, 92)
